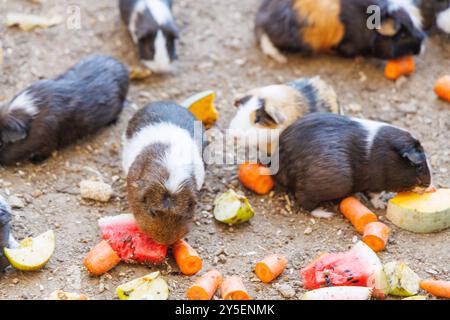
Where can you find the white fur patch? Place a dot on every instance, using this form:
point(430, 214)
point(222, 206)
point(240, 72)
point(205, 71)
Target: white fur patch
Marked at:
point(24, 102)
point(269, 49)
point(183, 157)
point(161, 61)
point(160, 11)
point(410, 8)
point(372, 128)
point(321, 213)
point(443, 20)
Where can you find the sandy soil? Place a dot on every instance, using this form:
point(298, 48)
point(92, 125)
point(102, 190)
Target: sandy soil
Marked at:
point(216, 51)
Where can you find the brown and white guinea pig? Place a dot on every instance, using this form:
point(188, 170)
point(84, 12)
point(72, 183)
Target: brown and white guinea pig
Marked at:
point(162, 156)
point(263, 113)
point(153, 30)
point(312, 26)
point(324, 157)
point(436, 13)
point(51, 114)
point(5, 237)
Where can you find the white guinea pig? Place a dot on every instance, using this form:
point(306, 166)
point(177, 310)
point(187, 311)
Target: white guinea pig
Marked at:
point(153, 30)
point(162, 156)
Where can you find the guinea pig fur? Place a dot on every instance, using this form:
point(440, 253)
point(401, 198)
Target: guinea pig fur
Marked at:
point(436, 13)
point(162, 156)
point(323, 157)
point(312, 26)
point(153, 30)
point(5, 219)
point(51, 114)
point(267, 111)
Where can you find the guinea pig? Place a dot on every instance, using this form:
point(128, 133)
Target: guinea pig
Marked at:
point(51, 114)
point(265, 112)
point(324, 157)
point(5, 219)
point(436, 13)
point(311, 26)
point(162, 157)
point(153, 30)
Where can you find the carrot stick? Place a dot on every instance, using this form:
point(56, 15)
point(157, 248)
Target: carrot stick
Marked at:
point(187, 258)
point(271, 267)
point(232, 288)
point(205, 286)
point(376, 235)
point(256, 177)
point(101, 259)
point(442, 88)
point(358, 214)
point(438, 288)
point(401, 67)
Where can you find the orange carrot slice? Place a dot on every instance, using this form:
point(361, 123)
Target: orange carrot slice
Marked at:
point(376, 235)
point(256, 177)
point(187, 258)
point(401, 67)
point(442, 88)
point(205, 286)
point(358, 214)
point(270, 268)
point(232, 288)
point(101, 259)
point(438, 288)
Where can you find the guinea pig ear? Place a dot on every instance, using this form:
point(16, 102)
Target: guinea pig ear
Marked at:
point(241, 99)
point(275, 114)
point(414, 156)
point(14, 130)
point(145, 25)
point(389, 27)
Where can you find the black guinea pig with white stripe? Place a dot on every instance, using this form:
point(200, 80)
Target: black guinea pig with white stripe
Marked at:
point(312, 26)
point(324, 157)
point(265, 112)
point(162, 157)
point(153, 30)
point(436, 14)
point(51, 114)
point(5, 219)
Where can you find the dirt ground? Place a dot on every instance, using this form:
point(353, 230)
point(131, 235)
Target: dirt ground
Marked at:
point(216, 51)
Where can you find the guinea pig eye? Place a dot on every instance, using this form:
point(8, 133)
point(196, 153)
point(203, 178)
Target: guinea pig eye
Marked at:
point(258, 118)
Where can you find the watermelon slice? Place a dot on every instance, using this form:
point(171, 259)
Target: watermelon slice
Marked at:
point(359, 267)
point(131, 244)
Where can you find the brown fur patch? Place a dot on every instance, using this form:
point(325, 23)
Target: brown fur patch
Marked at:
point(321, 27)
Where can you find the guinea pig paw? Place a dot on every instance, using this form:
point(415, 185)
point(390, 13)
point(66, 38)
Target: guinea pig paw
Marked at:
point(322, 213)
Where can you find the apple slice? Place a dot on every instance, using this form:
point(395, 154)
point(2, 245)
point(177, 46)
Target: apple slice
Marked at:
point(149, 287)
point(33, 253)
point(232, 208)
point(402, 280)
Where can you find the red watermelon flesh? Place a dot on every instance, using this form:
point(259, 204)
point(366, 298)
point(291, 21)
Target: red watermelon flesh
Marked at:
point(131, 244)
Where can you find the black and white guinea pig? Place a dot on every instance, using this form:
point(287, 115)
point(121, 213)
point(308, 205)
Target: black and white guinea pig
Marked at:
point(153, 30)
point(5, 219)
point(324, 157)
point(51, 114)
point(162, 157)
point(312, 26)
point(265, 112)
point(436, 13)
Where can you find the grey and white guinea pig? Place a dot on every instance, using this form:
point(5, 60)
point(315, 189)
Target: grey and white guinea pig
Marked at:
point(311, 26)
point(51, 114)
point(162, 157)
point(324, 157)
point(267, 111)
point(153, 30)
point(5, 219)
point(436, 13)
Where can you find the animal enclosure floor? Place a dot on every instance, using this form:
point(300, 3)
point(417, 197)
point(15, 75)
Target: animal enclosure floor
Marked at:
point(216, 51)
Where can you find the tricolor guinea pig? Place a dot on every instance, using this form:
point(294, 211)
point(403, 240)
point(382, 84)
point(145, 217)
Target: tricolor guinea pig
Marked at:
point(324, 157)
point(162, 157)
point(51, 114)
point(436, 13)
point(5, 219)
point(265, 112)
point(312, 26)
point(153, 30)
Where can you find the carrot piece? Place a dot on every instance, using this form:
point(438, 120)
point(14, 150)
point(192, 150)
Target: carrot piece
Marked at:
point(442, 88)
point(256, 177)
point(358, 214)
point(232, 288)
point(401, 67)
point(376, 235)
point(205, 286)
point(187, 258)
point(271, 267)
point(101, 259)
point(438, 288)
